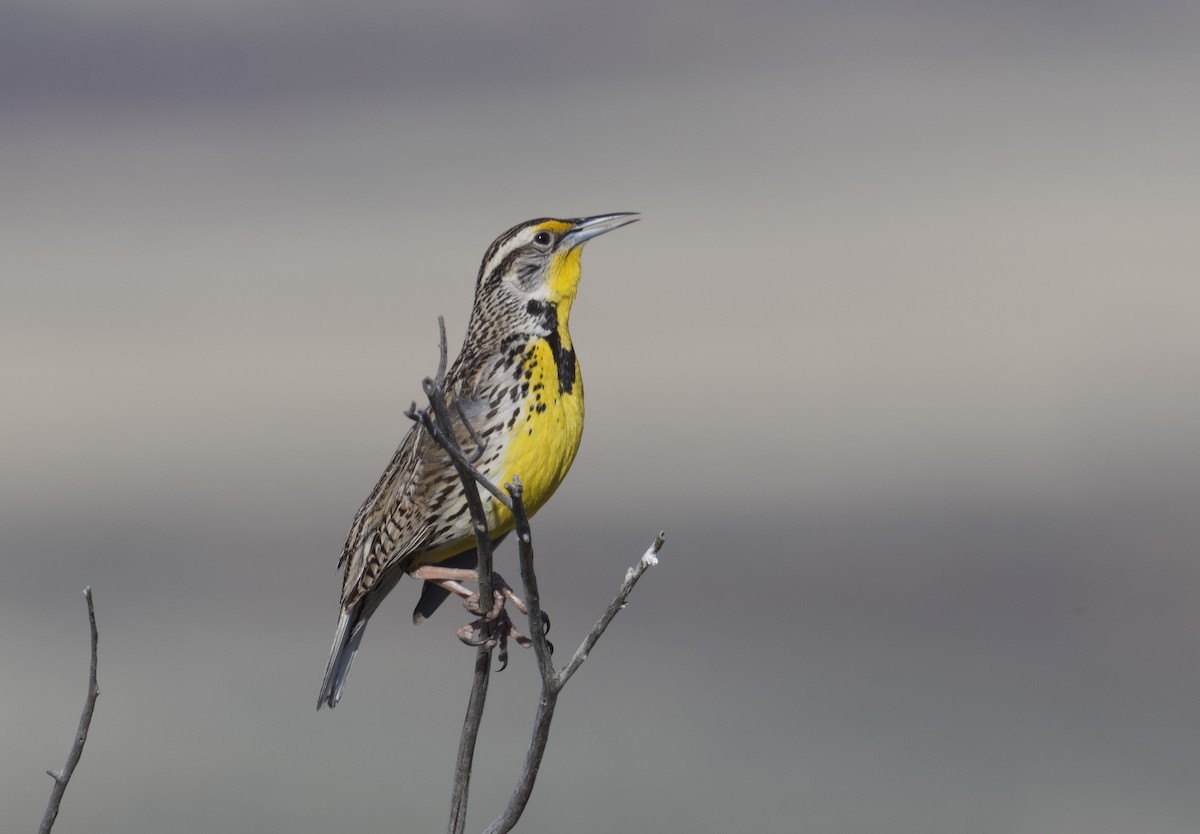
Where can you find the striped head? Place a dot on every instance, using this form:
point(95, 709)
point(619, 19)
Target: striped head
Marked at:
point(530, 274)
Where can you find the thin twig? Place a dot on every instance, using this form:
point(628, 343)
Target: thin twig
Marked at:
point(468, 475)
point(439, 426)
point(466, 744)
point(550, 686)
point(440, 376)
point(62, 777)
point(511, 814)
point(533, 599)
point(553, 683)
point(437, 421)
point(480, 443)
point(429, 422)
point(649, 559)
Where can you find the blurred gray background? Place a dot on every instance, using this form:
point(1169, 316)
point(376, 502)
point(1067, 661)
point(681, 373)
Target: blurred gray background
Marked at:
point(904, 357)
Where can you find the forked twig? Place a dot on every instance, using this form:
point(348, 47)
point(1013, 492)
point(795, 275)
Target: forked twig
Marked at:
point(62, 777)
point(439, 426)
point(553, 681)
point(436, 420)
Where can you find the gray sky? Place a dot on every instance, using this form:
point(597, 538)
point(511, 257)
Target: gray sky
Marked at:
point(903, 356)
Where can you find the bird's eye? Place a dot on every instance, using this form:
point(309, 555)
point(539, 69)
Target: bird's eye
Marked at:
point(542, 238)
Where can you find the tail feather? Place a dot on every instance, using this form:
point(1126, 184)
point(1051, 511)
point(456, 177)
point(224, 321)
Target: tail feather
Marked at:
point(352, 623)
point(346, 640)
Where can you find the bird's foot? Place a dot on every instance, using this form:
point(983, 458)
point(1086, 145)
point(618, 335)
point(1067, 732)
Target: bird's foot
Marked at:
point(493, 627)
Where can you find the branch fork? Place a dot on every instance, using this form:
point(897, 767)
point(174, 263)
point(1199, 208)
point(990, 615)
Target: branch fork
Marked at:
point(494, 627)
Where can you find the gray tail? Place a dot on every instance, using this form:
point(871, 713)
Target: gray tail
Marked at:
point(349, 635)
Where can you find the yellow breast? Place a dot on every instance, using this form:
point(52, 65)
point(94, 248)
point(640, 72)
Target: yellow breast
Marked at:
point(547, 432)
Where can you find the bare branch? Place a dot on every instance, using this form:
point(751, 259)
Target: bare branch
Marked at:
point(553, 683)
point(62, 777)
point(649, 559)
point(443, 432)
point(440, 377)
point(466, 743)
point(533, 760)
point(537, 619)
point(550, 686)
point(437, 420)
point(440, 427)
point(480, 443)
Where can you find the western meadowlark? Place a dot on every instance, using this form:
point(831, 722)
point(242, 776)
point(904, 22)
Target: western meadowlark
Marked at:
point(516, 382)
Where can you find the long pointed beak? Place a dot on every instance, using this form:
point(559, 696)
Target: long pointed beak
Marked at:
point(590, 227)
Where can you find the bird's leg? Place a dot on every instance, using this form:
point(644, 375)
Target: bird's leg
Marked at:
point(452, 578)
point(502, 626)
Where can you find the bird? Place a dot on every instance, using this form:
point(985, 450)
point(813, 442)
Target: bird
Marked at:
point(516, 382)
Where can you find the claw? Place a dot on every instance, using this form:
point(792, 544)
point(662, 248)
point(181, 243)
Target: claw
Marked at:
point(467, 634)
point(491, 629)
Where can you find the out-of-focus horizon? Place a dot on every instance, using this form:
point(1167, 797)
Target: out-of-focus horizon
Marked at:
point(903, 355)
